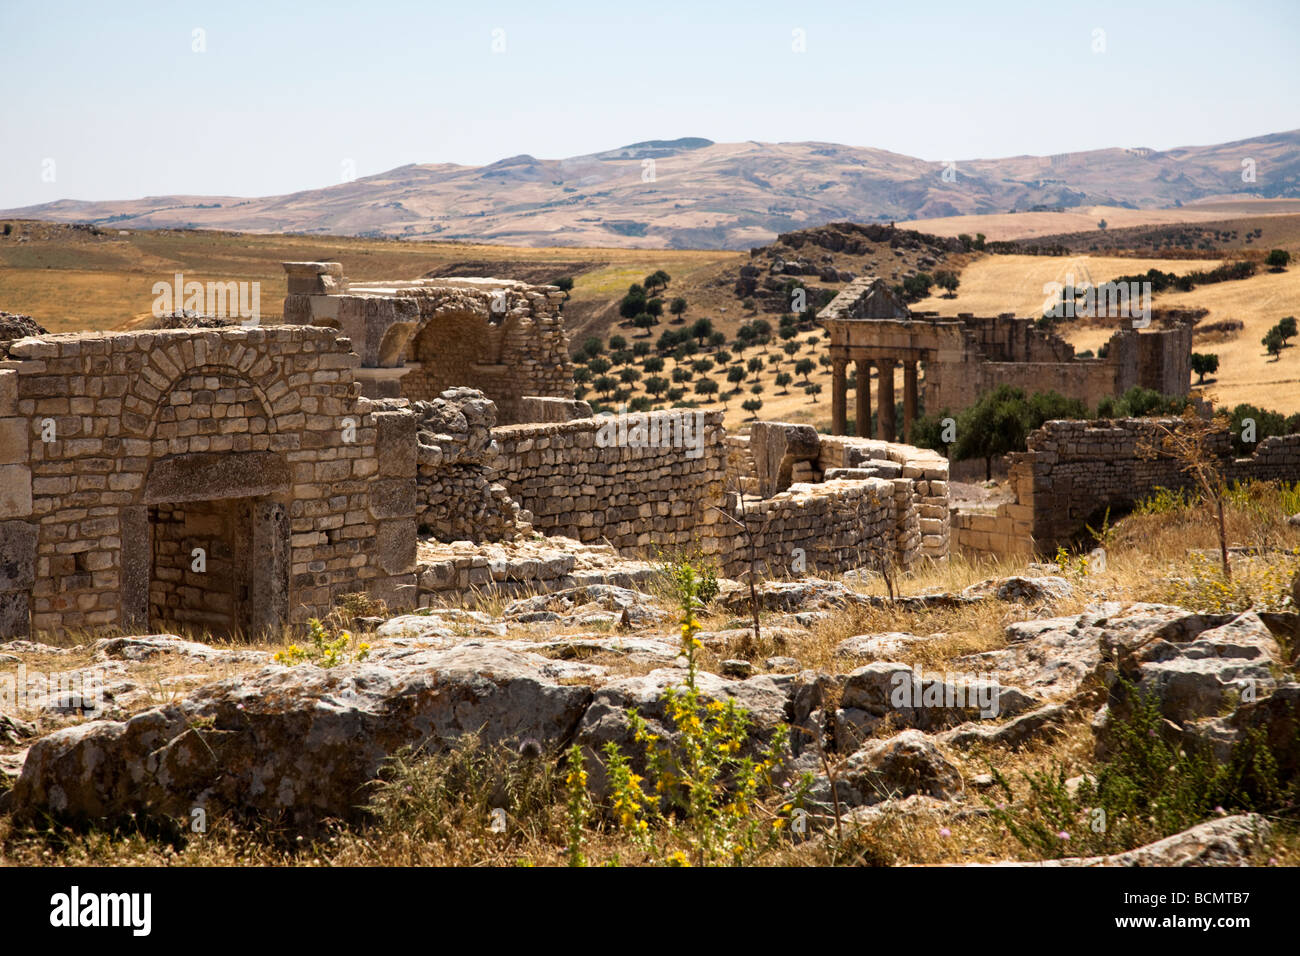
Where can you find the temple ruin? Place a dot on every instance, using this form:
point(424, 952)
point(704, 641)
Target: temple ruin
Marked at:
point(964, 357)
point(416, 339)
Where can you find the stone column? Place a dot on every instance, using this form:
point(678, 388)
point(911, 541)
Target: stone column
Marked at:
point(885, 368)
point(864, 399)
point(839, 408)
point(909, 398)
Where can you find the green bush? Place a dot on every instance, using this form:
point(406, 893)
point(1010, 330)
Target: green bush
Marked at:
point(1148, 789)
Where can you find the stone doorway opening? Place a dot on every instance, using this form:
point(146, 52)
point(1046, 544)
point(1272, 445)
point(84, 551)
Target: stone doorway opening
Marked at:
point(210, 553)
point(215, 566)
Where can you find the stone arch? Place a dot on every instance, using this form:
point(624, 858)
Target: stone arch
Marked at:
point(224, 390)
point(393, 345)
point(209, 475)
point(174, 357)
point(456, 346)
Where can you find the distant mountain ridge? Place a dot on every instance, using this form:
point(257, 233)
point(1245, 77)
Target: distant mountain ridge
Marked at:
point(695, 193)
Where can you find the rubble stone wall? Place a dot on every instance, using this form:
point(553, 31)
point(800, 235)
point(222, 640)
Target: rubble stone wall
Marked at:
point(457, 497)
point(634, 498)
point(419, 338)
point(643, 498)
point(822, 528)
point(926, 475)
point(1074, 470)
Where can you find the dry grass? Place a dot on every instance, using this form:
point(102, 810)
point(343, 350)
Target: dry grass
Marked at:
point(1030, 225)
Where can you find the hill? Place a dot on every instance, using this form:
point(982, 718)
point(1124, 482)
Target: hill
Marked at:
point(694, 193)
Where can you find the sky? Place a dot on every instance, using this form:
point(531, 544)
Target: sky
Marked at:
point(127, 99)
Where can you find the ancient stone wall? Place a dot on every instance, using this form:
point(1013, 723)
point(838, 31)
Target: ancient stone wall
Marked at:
point(457, 496)
point(879, 503)
point(419, 338)
point(1006, 351)
point(1074, 470)
point(824, 528)
point(924, 497)
point(633, 495)
point(252, 446)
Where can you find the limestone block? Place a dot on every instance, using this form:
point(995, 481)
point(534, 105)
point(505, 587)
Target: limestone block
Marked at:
point(15, 614)
point(776, 447)
point(13, 441)
point(15, 491)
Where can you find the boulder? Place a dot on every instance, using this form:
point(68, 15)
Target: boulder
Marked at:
point(1228, 841)
point(806, 594)
point(1014, 733)
point(905, 764)
point(881, 646)
point(587, 604)
point(1022, 590)
point(911, 698)
point(765, 698)
point(14, 730)
point(1275, 719)
point(1052, 657)
point(292, 744)
point(1194, 664)
point(151, 646)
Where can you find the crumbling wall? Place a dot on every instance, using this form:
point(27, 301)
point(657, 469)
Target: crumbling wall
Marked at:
point(822, 528)
point(922, 514)
point(881, 503)
point(1074, 470)
point(1010, 351)
point(633, 495)
point(419, 338)
point(457, 497)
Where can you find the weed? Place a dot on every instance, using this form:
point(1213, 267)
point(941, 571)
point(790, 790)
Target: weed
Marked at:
point(324, 650)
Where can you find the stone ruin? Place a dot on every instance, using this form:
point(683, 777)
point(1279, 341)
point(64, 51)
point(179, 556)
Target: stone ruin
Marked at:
point(967, 356)
point(419, 338)
point(233, 480)
point(1073, 472)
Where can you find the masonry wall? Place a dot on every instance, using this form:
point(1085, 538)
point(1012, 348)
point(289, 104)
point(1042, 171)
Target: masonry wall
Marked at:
point(419, 338)
point(114, 425)
point(1074, 470)
point(645, 499)
point(824, 528)
point(1010, 351)
point(635, 498)
point(508, 357)
point(457, 495)
point(923, 494)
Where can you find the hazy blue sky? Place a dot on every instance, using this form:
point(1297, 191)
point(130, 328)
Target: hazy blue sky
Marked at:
point(114, 94)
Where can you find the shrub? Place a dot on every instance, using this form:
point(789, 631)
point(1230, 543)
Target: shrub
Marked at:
point(1148, 789)
point(704, 789)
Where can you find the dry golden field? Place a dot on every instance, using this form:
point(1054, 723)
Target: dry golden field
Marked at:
point(1031, 225)
point(71, 280)
point(991, 285)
